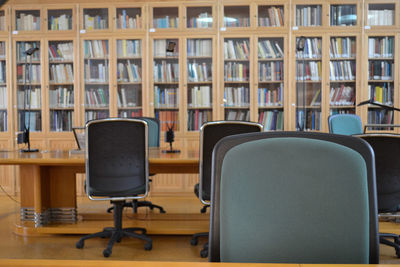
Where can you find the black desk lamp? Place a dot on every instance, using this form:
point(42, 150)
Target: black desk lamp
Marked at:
point(24, 136)
point(169, 137)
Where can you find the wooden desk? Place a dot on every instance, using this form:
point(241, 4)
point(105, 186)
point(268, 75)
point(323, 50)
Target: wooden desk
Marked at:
point(48, 185)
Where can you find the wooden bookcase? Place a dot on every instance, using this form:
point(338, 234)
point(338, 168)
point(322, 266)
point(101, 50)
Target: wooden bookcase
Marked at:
point(225, 59)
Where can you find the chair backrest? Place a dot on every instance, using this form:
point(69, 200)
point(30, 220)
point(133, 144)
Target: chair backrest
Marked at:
point(346, 124)
point(387, 161)
point(116, 159)
point(210, 134)
point(154, 130)
point(293, 197)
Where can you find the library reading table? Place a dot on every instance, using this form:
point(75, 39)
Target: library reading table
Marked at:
point(48, 192)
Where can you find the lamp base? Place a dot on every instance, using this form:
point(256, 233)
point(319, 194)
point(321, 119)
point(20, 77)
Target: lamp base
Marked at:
point(29, 150)
point(171, 151)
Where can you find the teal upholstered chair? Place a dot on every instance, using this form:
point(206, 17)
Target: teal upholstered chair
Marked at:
point(293, 197)
point(346, 124)
point(153, 141)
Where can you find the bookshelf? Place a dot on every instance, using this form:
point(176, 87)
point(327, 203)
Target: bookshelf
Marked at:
point(129, 77)
point(270, 90)
point(96, 78)
point(121, 67)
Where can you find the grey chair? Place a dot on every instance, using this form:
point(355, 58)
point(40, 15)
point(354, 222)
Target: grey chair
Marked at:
point(117, 170)
point(154, 141)
point(210, 134)
point(293, 197)
point(387, 160)
point(346, 124)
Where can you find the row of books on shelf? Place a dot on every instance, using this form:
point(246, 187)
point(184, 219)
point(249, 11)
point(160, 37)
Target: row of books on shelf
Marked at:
point(236, 21)
point(35, 74)
point(236, 72)
point(125, 21)
point(2, 23)
point(380, 116)
point(168, 119)
point(33, 120)
point(96, 115)
point(166, 72)
point(269, 49)
point(2, 49)
point(60, 23)
point(274, 17)
point(383, 17)
point(310, 122)
point(27, 22)
point(270, 71)
point(61, 120)
point(199, 48)
point(3, 70)
point(196, 118)
point(95, 22)
point(237, 115)
point(270, 96)
point(237, 96)
point(166, 22)
point(236, 49)
point(61, 73)
point(165, 97)
point(342, 70)
point(203, 20)
point(130, 113)
point(129, 97)
point(96, 72)
point(380, 70)
point(200, 96)
point(271, 120)
point(129, 72)
point(312, 48)
point(3, 97)
point(343, 15)
point(309, 15)
point(61, 97)
point(342, 47)
point(129, 48)
point(199, 72)
point(34, 97)
point(61, 52)
point(95, 49)
point(342, 96)
point(382, 94)
point(380, 47)
point(309, 71)
point(166, 48)
point(3, 121)
point(96, 97)
point(24, 46)
point(335, 111)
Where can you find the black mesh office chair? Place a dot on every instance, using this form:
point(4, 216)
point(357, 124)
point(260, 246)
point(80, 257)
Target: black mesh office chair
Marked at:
point(387, 161)
point(293, 197)
point(154, 141)
point(117, 170)
point(210, 134)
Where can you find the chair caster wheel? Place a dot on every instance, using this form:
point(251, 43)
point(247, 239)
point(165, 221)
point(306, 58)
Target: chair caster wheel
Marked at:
point(79, 244)
point(162, 211)
point(119, 240)
point(194, 242)
point(148, 246)
point(107, 253)
point(204, 253)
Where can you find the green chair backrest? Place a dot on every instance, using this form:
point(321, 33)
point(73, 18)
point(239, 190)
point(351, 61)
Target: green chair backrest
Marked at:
point(154, 130)
point(346, 124)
